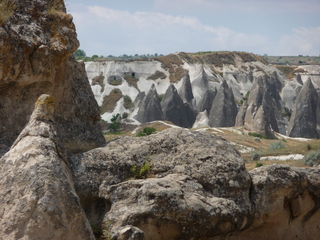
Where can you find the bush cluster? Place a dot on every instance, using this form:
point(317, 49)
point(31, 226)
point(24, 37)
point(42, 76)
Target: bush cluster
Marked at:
point(146, 131)
point(276, 145)
point(313, 158)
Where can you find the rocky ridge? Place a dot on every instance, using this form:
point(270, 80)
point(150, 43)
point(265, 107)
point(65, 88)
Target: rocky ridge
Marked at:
point(261, 93)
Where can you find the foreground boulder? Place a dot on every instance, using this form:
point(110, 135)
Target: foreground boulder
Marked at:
point(180, 184)
point(174, 185)
point(37, 43)
point(38, 200)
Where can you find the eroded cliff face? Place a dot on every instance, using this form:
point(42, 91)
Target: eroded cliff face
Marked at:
point(37, 42)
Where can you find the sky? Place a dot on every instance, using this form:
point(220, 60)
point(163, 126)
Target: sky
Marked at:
point(272, 27)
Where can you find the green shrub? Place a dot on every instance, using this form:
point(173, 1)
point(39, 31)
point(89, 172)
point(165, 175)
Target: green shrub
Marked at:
point(276, 145)
point(259, 164)
point(114, 125)
point(125, 115)
point(256, 135)
point(146, 131)
point(309, 147)
point(312, 159)
point(255, 156)
point(141, 172)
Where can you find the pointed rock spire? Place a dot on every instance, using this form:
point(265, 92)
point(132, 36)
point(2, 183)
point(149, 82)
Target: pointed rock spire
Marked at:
point(303, 121)
point(186, 90)
point(224, 109)
point(174, 110)
point(149, 107)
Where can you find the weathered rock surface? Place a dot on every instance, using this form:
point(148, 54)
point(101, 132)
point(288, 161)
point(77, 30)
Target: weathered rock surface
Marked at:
point(175, 111)
point(149, 107)
point(36, 44)
point(304, 119)
point(196, 186)
point(180, 184)
point(207, 100)
point(262, 108)
point(38, 200)
point(224, 110)
point(186, 90)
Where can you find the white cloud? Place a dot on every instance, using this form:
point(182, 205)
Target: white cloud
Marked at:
point(303, 41)
point(101, 29)
point(247, 6)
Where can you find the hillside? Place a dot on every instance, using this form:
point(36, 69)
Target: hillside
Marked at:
point(216, 89)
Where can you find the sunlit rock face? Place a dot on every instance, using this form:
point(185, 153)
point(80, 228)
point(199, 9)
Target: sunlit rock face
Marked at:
point(37, 43)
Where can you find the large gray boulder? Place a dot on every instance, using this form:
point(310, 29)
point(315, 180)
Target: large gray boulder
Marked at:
point(180, 184)
point(176, 184)
point(38, 200)
point(304, 119)
point(224, 110)
point(149, 107)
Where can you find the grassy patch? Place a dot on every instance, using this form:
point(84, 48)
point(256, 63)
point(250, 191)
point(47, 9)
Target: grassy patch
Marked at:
point(131, 80)
point(157, 75)
point(288, 71)
point(173, 64)
point(110, 101)
point(127, 102)
point(7, 9)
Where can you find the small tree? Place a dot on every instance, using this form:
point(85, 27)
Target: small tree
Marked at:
point(115, 124)
point(79, 53)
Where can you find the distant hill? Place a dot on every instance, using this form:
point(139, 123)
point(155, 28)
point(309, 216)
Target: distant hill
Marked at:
point(293, 60)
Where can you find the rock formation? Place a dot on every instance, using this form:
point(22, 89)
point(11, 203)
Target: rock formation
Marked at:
point(304, 119)
point(224, 109)
point(38, 200)
point(175, 111)
point(37, 43)
point(262, 108)
point(188, 185)
point(186, 90)
point(207, 100)
point(149, 107)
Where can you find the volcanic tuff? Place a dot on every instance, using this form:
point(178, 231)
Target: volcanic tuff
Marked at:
point(261, 93)
point(36, 58)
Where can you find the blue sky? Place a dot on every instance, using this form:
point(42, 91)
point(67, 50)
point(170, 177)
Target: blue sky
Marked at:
point(273, 27)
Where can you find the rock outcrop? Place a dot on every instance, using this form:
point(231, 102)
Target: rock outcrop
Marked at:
point(224, 110)
point(37, 45)
point(186, 90)
point(304, 119)
point(180, 184)
point(38, 200)
point(175, 111)
point(207, 100)
point(262, 108)
point(149, 108)
point(188, 185)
